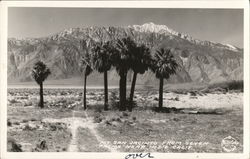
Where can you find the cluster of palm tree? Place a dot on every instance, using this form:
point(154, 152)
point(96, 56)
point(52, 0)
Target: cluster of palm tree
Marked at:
point(123, 55)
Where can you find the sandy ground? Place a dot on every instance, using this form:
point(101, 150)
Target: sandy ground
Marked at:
point(74, 123)
point(208, 101)
point(60, 109)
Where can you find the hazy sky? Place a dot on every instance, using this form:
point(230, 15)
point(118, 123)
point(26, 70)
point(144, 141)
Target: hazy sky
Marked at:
point(219, 25)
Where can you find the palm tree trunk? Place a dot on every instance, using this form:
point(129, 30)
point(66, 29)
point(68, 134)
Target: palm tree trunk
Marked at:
point(122, 87)
point(161, 93)
point(105, 90)
point(125, 90)
point(41, 104)
point(132, 90)
point(84, 92)
point(133, 86)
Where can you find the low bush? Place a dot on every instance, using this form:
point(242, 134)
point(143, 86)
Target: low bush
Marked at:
point(9, 123)
point(13, 101)
point(230, 85)
point(13, 146)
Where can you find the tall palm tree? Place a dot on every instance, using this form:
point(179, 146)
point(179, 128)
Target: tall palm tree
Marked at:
point(121, 59)
point(86, 70)
point(141, 62)
point(40, 73)
point(82, 48)
point(101, 54)
point(85, 67)
point(163, 66)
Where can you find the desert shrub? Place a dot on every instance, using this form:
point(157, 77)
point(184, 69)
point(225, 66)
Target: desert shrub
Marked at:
point(16, 123)
point(12, 146)
point(63, 93)
point(192, 93)
point(56, 126)
point(124, 114)
point(236, 85)
point(175, 99)
point(13, 101)
point(230, 85)
point(180, 91)
point(25, 120)
point(114, 105)
point(113, 101)
point(23, 97)
point(92, 93)
point(33, 119)
point(98, 108)
point(9, 123)
point(29, 127)
point(41, 146)
point(64, 149)
point(156, 99)
point(28, 103)
point(98, 117)
point(166, 110)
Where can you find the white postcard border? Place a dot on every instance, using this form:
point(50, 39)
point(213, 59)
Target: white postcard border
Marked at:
point(119, 4)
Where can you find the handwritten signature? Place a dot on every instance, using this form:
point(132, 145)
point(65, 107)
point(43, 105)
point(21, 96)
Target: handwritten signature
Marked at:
point(138, 155)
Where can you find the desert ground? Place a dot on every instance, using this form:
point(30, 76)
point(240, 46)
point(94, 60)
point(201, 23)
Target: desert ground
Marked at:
point(191, 121)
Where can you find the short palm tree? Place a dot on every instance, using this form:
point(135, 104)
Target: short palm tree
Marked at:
point(163, 66)
point(141, 62)
point(40, 73)
point(101, 54)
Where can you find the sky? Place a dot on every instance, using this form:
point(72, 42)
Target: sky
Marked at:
point(218, 25)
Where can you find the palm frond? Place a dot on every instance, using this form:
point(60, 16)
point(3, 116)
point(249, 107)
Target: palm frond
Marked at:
point(164, 63)
point(40, 72)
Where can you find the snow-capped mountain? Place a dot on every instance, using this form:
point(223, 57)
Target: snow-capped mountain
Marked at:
point(151, 27)
point(163, 29)
point(201, 61)
point(232, 47)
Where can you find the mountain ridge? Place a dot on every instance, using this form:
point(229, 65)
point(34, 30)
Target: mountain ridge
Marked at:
point(201, 61)
point(146, 27)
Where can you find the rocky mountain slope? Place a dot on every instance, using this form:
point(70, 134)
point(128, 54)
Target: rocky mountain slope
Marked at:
point(201, 61)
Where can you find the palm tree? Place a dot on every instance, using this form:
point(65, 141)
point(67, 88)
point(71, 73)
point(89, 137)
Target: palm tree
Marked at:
point(163, 66)
point(101, 53)
point(87, 70)
point(83, 51)
point(121, 59)
point(85, 67)
point(141, 62)
point(40, 73)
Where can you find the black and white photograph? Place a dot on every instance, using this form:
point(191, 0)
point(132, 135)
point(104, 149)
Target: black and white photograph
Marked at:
point(126, 80)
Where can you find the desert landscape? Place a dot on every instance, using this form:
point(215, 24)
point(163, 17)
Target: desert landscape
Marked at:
point(193, 121)
point(123, 80)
